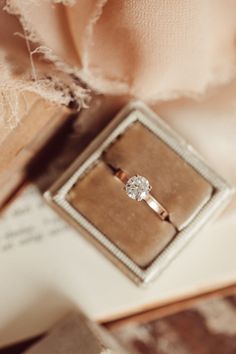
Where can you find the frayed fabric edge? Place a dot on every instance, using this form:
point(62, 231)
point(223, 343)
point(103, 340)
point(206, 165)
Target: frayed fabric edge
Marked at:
point(11, 92)
point(62, 87)
point(56, 88)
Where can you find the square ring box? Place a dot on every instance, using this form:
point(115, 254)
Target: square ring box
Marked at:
point(91, 197)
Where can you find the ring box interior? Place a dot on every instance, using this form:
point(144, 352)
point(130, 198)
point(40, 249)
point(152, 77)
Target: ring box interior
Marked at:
point(92, 198)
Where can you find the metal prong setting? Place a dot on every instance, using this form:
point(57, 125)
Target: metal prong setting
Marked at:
point(138, 188)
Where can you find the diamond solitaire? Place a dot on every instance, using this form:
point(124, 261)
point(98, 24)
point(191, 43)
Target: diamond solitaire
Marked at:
point(138, 187)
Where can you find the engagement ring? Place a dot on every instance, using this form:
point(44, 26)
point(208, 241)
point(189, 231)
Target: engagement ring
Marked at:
point(138, 188)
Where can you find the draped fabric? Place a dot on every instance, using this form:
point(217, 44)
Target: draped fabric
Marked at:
point(151, 49)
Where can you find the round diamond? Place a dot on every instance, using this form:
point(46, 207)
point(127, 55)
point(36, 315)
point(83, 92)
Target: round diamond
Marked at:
point(137, 187)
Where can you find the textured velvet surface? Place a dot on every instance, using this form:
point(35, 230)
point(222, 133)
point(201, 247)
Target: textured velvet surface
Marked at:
point(132, 226)
point(178, 186)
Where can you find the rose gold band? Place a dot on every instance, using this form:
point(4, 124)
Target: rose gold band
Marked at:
point(122, 175)
point(157, 207)
point(149, 199)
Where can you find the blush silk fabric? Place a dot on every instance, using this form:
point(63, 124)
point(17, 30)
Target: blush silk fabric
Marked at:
point(152, 49)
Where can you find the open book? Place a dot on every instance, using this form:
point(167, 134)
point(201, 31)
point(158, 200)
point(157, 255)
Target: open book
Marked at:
point(48, 269)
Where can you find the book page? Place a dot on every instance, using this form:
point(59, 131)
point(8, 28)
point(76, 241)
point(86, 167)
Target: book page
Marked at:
point(47, 269)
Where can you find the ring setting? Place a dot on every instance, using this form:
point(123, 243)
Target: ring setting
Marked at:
point(138, 188)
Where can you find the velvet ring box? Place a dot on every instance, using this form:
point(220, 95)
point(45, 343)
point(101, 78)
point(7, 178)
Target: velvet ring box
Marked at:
point(92, 198)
